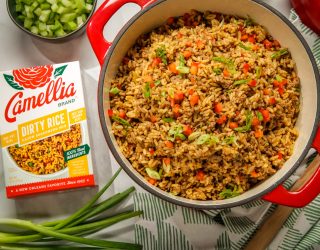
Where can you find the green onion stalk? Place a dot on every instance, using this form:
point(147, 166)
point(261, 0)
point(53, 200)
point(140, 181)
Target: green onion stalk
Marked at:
point(71, 229)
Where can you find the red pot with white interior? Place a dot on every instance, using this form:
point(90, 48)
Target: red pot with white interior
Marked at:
point(154, 14)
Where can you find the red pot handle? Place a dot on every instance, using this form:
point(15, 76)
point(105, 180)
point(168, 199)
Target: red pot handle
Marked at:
point(100, 18)
point(304, 195)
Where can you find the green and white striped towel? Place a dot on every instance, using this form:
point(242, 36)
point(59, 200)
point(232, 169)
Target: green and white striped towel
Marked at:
point(165, 226)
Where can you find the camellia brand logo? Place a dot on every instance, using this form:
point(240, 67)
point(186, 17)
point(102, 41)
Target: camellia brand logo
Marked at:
point(32, 78)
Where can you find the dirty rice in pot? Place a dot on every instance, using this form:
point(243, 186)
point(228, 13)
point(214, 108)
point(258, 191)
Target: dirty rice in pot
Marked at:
point(204, 107)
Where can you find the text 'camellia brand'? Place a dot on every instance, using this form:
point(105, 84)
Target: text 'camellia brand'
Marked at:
point(43, 116)
point(52, 90)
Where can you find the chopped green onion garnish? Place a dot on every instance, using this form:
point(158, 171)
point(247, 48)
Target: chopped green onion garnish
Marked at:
point(241, 45)
point(259, 116)
point(228, 62)
point(247, 127)
point(182, 61)
point(202, 139)
point(258, 72)
point(161, 52)
point(147, 90)
point(171, 92)
point(228, 193)
point(239, 82)
point(183, 69)
point(279, 78)
point(168, 119)
point(157, 82)
point(176, 132)
point(194, 136)
point(153, 174)
point(207, 139)
point(114, 91)
point(181, 136)
point(121, 121)
point(279, 53)
point(230, 140)
point(213, 139)
point(217, 71)
point(222, 60)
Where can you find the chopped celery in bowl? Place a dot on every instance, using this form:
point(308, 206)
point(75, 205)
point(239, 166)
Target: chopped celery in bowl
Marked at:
point(51, 20)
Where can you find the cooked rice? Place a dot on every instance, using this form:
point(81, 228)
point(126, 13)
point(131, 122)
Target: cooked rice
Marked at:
point(46, 156)
point(223, 162)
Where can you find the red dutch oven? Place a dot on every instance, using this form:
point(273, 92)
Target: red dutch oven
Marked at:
point(309, 13)
point(155, 13)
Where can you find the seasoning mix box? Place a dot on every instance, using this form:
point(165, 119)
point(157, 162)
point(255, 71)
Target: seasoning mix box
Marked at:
point(43, 127)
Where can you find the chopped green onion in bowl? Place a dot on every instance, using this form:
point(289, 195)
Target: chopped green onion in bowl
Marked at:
point(51, 18)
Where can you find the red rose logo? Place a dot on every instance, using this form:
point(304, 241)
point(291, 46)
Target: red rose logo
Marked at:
point(34, 77)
